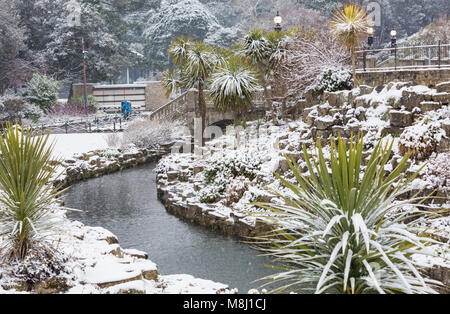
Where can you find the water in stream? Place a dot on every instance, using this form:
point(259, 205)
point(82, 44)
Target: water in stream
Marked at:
point(126, 204)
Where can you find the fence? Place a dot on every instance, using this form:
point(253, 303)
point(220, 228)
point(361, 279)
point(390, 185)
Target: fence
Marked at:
point(95, 124)
point(404, 58)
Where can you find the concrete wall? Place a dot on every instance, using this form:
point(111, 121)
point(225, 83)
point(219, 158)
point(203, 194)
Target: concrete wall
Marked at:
point(425, 77)
point(143, 96)
point(155, 95)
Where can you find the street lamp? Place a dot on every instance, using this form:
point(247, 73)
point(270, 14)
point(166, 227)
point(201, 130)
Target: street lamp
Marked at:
point(84, 51)
point(393, 38)
point(394, 46)
point(370, 32)
point(278, 20)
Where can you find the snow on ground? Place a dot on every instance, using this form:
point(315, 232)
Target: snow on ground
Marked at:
point(96, 264)
point(67, 145)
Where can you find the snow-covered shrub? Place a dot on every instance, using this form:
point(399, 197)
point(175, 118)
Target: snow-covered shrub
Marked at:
point(235, 190)
point(13, 108)
point(437, 172)
point(113, 140)
point(223, 170)
point(111, 152)
point(42, 91)
point(231, 167)
point(147, 133)
point(421, 139)
point(333, 80)
point(79, 102)
point(33, 113)
point(211, 194)
point(70, 110)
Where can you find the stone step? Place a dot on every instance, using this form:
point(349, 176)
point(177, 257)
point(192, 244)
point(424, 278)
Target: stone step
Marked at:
point(443, 87)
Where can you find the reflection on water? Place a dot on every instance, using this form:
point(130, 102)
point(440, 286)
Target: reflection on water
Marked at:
point(126, 204)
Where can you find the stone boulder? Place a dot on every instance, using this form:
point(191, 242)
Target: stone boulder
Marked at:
point(400, 118)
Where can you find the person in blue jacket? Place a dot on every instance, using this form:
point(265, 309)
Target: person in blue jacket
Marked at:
point(126, 108)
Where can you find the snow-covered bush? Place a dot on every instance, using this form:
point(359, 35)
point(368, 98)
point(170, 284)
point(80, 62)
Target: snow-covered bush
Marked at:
point(334, 79)
point(226, 171)
point(236, 189)
point(13, 109)
point(113, 140)
point(421, 139)
point(211, 194)
point(437, 172)
point(232, 166)
point(42, 91)
point(79, 102)
point(147, 133)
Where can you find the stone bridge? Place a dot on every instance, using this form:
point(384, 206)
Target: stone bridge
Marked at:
point(183, 108)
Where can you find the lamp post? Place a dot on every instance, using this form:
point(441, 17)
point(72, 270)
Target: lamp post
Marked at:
point(394, 46)
point(370, 32)
point(278, 20)
point(393, 38)
point(84, 77)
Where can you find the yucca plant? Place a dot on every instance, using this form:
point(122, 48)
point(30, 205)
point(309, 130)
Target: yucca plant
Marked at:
point(350, 25)
point(345, 231)
point(26, 171)
point(233, 87)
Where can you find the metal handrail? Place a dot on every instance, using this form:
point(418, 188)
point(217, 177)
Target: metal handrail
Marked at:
point(402, 48)
point(395, 50)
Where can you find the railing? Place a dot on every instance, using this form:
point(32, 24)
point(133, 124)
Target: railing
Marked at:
point(172, 109)
point(180, 106)
point(404, 58)
point(94, 124)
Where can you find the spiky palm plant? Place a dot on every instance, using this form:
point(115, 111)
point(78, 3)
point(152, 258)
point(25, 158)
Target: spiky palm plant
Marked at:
point(233, 87)
point(26, 169)
point(258, 50)
point(170, 82)
point(178, 50)
point(201, 60)
point(345, 232)
point(195, 62)
point(350, 25)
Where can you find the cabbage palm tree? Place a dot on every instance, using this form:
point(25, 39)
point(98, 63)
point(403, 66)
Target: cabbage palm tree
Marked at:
point(178, 50)
point(26, 171)
point(347, 231)
point(350, 25)
point(201, 60)
point(259, 51)
point(233, 87)
point(195, 62)
point(170, 82)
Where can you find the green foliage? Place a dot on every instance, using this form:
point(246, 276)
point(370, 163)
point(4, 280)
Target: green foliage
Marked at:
point(26, 171)
point(344, 232)
point(333, 80)
point(222, 171)
point(233, 86)
point(91, 100)
point(13, 109)
point(42, 91)
point(170, 83)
